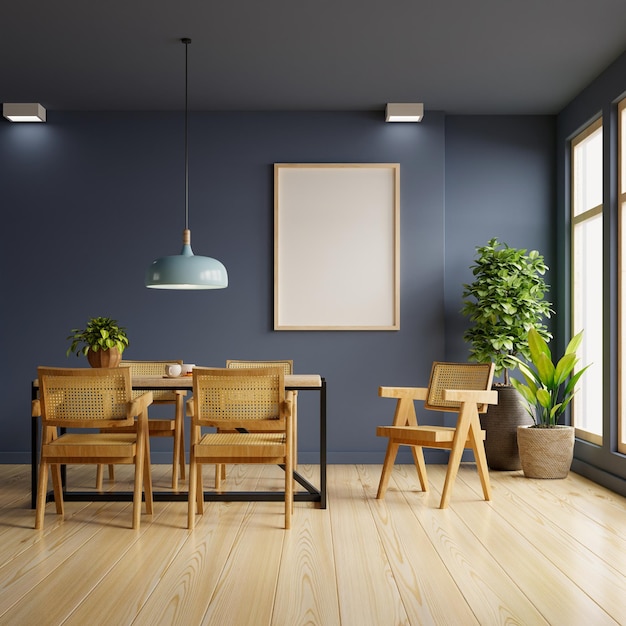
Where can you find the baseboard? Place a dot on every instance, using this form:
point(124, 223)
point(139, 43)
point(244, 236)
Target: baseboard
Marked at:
point(337, 457)
point(599, 476)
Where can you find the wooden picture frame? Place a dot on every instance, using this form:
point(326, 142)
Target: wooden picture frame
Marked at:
point(336, 246)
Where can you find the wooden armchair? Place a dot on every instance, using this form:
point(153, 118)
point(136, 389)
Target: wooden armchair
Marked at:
point(236, 400)
point(462, 388)
point(287, 367)
point(92, 398)
point(160, 427)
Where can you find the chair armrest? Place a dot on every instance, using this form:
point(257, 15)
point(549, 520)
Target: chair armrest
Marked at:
point(413, 393)
point(467, 395)
point(35, 408)
point(288, 404)
point(140, 404)
point(180, 392)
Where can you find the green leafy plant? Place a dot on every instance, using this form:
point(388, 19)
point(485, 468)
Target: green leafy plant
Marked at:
point(549, 387)
point(505, 300)
point(101, 333)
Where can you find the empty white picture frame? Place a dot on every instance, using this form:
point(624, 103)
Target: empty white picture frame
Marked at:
point(336, 246)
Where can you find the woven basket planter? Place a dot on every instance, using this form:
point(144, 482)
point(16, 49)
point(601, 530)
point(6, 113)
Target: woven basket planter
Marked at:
point(500, 423)
point(546, 452)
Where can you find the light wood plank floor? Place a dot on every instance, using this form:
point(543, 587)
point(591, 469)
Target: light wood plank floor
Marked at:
point(542, 552)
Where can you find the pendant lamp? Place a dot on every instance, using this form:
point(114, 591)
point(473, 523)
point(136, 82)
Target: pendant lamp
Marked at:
point(186, 270)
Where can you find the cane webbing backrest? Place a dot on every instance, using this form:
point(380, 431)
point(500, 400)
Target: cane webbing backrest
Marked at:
point(237, 396)
point(85, 397)
point(467, 376)
point(151, 368)
point(286, 364)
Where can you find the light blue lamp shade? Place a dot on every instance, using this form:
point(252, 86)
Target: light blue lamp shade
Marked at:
point(186, 271)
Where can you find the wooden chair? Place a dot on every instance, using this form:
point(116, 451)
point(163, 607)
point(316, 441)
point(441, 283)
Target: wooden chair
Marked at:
point(287, 366)
point(89, 398)
point(234, 400)
point(160, 427)
point(463, 388)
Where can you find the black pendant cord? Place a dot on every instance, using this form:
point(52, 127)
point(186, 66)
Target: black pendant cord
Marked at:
point(186, 41)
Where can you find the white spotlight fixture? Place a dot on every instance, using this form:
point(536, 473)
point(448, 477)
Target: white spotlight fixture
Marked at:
point(24, 112)
point(404, 112)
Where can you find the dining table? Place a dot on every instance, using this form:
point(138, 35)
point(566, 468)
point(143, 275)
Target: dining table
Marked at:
point(293, 382)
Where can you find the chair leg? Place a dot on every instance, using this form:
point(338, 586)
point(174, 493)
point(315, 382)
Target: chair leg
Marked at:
point(220, 474)
point(137, 495)
point(191, 500)
point(99, 477)
point(288, 491)
point(58, 489)
point(481, 464)
point(420, 465)
point(147, 479)
point(139, 478)
point(453, 467)
point(390, 457)
point(42, 488)
point(181, 455)
point(175, 463)
point(199, 489)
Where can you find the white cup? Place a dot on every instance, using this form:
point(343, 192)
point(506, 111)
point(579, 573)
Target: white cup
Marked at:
point(173, 370)
point(187, 367)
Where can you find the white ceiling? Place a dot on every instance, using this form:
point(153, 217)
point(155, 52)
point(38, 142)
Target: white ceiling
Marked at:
point(458, 56)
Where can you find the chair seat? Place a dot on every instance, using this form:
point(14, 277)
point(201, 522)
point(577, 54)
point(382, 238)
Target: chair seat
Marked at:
point(228, 445)
point(74, 445)
point(414, 435)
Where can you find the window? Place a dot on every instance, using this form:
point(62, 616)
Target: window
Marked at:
point(621, 440)
point(586, 264)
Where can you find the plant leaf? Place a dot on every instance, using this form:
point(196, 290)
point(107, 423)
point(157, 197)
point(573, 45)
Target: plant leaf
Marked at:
point(545, 369)
point(574, 343)
point(537, 346)
point(564, 367)
point(544, 398)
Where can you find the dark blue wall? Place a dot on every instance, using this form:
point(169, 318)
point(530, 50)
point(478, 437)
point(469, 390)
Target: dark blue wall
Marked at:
point(499, 183)
point(89, 199)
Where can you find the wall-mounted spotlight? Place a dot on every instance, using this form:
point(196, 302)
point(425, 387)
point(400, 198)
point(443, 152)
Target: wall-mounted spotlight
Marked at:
point(24, 112)
point(404, 112)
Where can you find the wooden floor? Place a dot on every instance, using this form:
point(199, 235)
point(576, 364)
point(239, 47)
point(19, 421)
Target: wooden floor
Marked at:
point(541, 552)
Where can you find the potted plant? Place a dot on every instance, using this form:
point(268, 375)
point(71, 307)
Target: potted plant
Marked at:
point(503, 302)
point(102, 341)
point(546, 448)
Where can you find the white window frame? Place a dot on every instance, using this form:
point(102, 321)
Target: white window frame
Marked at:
point(621, 322)
point(576, 220)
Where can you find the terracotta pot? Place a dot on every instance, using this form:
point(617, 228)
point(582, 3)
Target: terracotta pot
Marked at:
point(104, 358)
point(546, 452)
point(500, 423)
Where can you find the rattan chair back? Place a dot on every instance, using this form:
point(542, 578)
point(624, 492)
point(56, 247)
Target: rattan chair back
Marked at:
point(286, 364)
point(151, 368)
point(238, 398)
point(85, 397)
point(466, 376)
